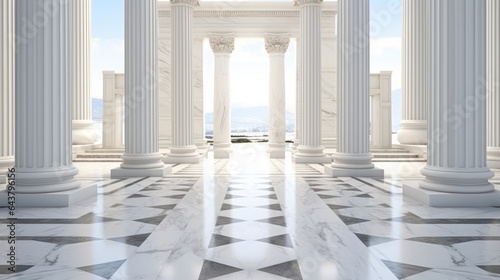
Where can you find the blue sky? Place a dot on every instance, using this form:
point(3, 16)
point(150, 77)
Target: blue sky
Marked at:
point(249, 63)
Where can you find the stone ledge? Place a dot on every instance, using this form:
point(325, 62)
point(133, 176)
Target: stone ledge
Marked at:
point(375, 173)
point(120, 173)
point(57, 199)
point(440, 199)
point(311, 159)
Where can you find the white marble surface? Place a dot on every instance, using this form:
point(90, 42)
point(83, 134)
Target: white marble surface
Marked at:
point(348, 236)
point(460, 273)
point(399, 251)
point(325, 248)
point(54, 273)
point(401, 230)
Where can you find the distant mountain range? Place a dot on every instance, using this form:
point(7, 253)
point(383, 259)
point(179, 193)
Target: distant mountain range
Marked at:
point(256, 119)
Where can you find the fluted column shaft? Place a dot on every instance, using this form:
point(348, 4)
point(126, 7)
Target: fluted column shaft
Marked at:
point(222, 46)
point(413, 128)
point(43, 97)
point(310, 150)
point(7, 67)
point(141, 91)
point(353, 98)
point(298, 97)
point(457, 108)
point(80, 32)
point(183, 149)
point(493, 82)
point(276, 46)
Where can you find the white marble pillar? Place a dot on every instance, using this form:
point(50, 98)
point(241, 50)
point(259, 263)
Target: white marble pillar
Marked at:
point(456, 172)
point(199, 113)
point(183, 149)
point(353, 157)
point(493, 82)
point(413, 130)
point(80, 30)
point(222, 46)
point(329, 90)
point(276, 46)
point(310, 150)
point(142, 157)
point(298, 107)
point(43, 150)
point(7, 56)
point(165, 80)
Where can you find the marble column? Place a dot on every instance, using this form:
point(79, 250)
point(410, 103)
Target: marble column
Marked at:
point(183, 149)
point(7, 56)
point(222, 46)
point(276, 46)
point(353, 157)
point(413, 130)
point(493, 82)
point(43, 149)
point(298, 111)
point(7, 67)
point(142, 157)
point(83, 126)
point(310, 150)
point(199, 113)
point(456, 172)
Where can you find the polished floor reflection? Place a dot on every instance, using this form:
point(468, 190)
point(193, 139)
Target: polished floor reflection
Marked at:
point(254, 218)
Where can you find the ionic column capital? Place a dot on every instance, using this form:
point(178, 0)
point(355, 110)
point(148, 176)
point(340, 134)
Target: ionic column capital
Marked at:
point(277, 43)
point(222, 43)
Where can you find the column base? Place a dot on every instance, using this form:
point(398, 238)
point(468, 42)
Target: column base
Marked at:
point(276, 150)
point(201, 144)
point(185, 154)
point(374, 172)
point(457, 180)
point(352, 161)
point(53, 199)
point(142, 161)
point(120, 172)
point(203, 152)
point(222, 150)
point(46, 180)
point(307, 154)
point(5, 164)
point(413, 133)
point(84, 132)
point(441, 199)
point(493, 157)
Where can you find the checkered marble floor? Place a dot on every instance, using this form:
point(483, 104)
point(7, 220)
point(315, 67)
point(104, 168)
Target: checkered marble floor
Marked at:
point(254, 218)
